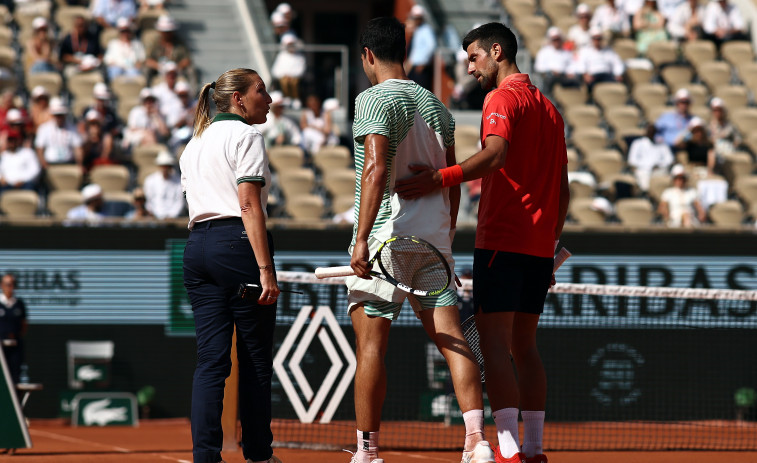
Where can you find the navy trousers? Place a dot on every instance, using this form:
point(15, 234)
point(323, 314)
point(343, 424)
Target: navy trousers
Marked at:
point(217, 258)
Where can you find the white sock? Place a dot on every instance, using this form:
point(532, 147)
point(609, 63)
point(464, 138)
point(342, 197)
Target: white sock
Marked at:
point(474, 423)
point(506, 420)
point(367, 446)
point(533, 427)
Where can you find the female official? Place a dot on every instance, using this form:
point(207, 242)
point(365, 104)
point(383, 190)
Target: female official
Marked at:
point(225, 177)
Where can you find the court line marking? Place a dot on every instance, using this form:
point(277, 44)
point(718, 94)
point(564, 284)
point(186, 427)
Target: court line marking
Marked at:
point(420, 457)
point(178, 460)
point(76, 440)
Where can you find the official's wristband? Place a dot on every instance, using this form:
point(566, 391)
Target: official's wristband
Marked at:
point(451, 176)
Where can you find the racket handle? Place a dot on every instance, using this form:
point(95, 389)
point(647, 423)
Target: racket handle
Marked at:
point(561, 257)
point(330, 272)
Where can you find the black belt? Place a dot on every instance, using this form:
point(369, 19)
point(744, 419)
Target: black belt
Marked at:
point(218, 223)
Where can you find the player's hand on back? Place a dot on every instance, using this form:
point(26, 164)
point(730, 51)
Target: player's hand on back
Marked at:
point(424, 181)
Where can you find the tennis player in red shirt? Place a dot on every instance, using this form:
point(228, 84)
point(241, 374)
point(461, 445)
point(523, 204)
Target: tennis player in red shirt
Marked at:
point(524, 201)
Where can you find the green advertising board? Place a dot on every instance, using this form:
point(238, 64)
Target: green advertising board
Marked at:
point(104, 409)
point(13, 431)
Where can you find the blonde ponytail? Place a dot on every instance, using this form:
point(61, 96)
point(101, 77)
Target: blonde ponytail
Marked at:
point(233, 80)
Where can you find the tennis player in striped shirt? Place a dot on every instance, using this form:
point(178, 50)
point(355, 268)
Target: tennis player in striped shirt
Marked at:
point(397, 123)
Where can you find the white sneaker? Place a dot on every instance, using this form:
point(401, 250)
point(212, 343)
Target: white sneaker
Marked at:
point(354, 460)
point(481, 453)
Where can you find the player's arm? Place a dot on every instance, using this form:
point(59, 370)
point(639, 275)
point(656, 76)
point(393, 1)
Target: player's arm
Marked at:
point(426, 180)
point(562, 210)
point(372, 185)
point(454, 192)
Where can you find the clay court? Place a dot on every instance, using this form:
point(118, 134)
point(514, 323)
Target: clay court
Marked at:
point(170, 441)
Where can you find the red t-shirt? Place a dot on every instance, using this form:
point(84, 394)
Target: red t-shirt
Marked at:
point(519, 203)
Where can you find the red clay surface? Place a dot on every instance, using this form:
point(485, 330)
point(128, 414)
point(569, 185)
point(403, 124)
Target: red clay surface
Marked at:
point(170, 441)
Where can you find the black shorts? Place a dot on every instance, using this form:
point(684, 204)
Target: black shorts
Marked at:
point(510, 282)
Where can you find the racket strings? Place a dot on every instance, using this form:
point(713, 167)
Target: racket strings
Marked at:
point(415, 265)
point(470, 333)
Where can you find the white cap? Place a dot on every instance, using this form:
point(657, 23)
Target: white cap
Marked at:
point(100, 91)
point(165, 23)
point(155, 2)
point(182, 87)
point(165, 158)
point(288, 39)
point(582, 9)
point(57, 106)
point(677, 170)
point(277, 98)
point(39, 91)
point(146, 93)
point(330, 104)
point(39, 22)
point(682, 94)
point(417, 11)
point(554, 32)
point(169, 66)
point(595, 32)
point(717, 103)
point(278, 19)
point(91, 191)
point(14, 116)
point(92, 115)
point(284, 8)
point(695, 122)
point(123, 23)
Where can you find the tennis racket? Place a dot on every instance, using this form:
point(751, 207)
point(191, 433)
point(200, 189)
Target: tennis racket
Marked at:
point(412, 264)
point(470, 333)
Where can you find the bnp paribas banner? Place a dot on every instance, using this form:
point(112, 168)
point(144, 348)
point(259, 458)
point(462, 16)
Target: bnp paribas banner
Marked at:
point(146, 287)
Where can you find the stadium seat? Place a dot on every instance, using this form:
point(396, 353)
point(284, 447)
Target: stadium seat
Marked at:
point(128, 88)
point(588, 139)
point(569, 96)
point(19, 204)
point(634, 212)
point(662, 53)
point(734, 96)
point(574, 163)
point(736, 165)
point(677, 76)
point(7, 57)
point(699, 94)
point(305, 207)
point(80, 104)
point(727, 214)
point(622, 117)
point(519, 8)
point(556, 9)
point(107, 35)
point(625, 135)
point(698, 51)
point(6, 36)
point(714, 73)
point(564, 24)
point(284, 157)
point(625, 48)
point(64, 17)
point(112, 177)
point(746, 188)
point(657, 184)
point(532, 30)
point(81, 85)
point(745, 120)
point(650, 95)
point(332, 157)
point(59, 202)
point(144, 156)
point(339, 182)
point(64, 176)
point(24, 16)
point(701, 111)
point(146, 19)
point(747, 73)
point(607, 94)
point(342, 203)
point(51, 81)
point(639, 75)
point(581, 211)
point(619, 186)
point(604, 163)
point(295, 182)
point(579, 116)
point(125, 106)
point(143, 172)
point(736, 52)
point(466, 141)
point(653, 113)
point(581, 190)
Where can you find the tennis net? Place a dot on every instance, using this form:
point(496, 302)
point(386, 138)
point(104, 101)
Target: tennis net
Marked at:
point(629, 368)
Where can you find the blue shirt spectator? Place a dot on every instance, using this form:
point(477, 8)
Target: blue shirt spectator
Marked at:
point(671, 124)
point(107, 12)
point(422, 47)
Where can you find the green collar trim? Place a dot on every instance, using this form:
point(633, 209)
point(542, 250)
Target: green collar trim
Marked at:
point(228, 117)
